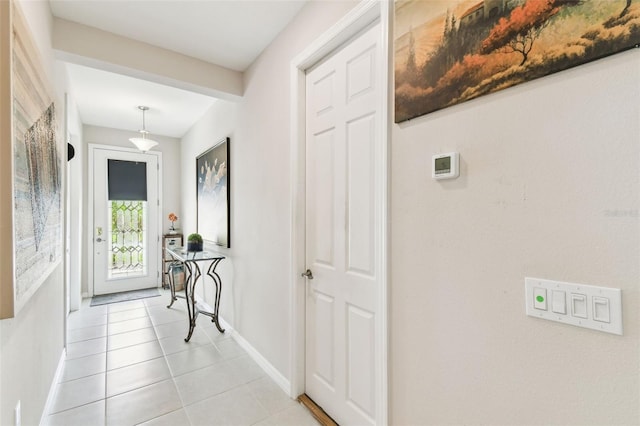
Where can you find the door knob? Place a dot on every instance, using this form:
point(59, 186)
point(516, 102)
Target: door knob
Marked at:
point(99, 240)
point(308, 274)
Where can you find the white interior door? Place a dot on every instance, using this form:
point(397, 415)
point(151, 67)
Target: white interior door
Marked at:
point(125, 231)
point(343, 126)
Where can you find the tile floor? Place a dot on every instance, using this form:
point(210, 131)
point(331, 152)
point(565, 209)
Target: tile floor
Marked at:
point(127, 364)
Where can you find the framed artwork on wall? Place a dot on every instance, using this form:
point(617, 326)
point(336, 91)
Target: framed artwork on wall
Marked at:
point(452, 51)
point(213, 194)
point(34, 164)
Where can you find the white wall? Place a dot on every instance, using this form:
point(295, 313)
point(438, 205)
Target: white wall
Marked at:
point(255, 297)
point(545, 167)
point(171, 178)
point(32, 342)
point(76, 169)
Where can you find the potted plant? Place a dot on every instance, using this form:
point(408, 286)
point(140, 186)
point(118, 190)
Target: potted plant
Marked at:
point(194, 242)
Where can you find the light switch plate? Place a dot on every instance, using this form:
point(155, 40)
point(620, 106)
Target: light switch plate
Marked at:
point(583, 301)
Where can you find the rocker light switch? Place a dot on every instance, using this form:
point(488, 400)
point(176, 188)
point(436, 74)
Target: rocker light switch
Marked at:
point(540, 298)
point(601, 309)
point(579, 305)
point(558, 302)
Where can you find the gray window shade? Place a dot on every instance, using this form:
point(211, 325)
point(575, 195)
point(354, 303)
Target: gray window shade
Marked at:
point(127, 180)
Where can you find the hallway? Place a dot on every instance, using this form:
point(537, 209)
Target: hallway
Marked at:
point(127, 364)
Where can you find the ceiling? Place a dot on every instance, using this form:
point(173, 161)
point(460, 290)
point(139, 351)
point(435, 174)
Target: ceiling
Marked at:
point(111, 100)
point(229, 33)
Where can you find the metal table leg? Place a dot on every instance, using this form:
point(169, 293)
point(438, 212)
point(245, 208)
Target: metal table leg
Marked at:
point(193, 272)
point(172, 284)
point(218, 282)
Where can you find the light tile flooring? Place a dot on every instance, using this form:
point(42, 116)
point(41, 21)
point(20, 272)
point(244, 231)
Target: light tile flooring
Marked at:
point(127, 364)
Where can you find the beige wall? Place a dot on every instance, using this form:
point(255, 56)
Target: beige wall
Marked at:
point(32, 342)
point(545, 166)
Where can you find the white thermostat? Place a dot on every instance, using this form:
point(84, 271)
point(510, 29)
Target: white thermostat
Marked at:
point(445, 166)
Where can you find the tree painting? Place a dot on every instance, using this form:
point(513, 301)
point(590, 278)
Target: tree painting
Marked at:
point(451, 51)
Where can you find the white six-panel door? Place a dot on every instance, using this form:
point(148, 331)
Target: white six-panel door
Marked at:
point(343, 122)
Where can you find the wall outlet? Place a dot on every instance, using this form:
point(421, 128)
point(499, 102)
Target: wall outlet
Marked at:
point(18, 414)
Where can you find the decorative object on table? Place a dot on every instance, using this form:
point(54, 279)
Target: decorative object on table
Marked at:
point(451, 51)
point(30, 164)
point(194, 242)
point(172, 218)
point(213, 196)
point(143, 144)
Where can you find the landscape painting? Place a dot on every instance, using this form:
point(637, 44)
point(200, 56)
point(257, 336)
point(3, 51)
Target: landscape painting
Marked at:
point(451, 51)
point(212, 176)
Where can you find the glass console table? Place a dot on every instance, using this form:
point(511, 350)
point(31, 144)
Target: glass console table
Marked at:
point(191, 261)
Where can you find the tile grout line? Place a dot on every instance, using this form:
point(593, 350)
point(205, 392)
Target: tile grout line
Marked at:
point(106, 366)
point(107, 356)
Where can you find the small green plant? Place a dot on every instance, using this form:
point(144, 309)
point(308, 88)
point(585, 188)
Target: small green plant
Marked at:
point(194, 238)
point(194, 242)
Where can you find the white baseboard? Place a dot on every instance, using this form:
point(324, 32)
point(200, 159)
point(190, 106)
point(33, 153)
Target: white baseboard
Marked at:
point(52, 389)
point(271, 371)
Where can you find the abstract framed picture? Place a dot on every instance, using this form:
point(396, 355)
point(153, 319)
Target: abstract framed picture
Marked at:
point(36, 169)
point(213, 194)
point(451, 51)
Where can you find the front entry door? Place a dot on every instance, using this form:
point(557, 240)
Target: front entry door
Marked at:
point(126, 227)
point(343, 230)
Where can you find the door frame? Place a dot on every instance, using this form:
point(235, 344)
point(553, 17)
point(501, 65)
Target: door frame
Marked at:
point(90, 219)
point(346, 28)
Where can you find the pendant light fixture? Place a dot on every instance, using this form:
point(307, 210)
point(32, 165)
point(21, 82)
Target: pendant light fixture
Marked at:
point(143, 144)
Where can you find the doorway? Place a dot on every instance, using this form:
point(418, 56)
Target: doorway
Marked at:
point(340, 175)
point(125, 228)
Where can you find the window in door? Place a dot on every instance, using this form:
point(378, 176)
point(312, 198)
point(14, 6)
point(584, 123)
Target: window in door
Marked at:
point(127, 232)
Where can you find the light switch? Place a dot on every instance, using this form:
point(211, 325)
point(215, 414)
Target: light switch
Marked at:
point(540, 298)
point(601, 309)
point(579, 305)
point(558, 302)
